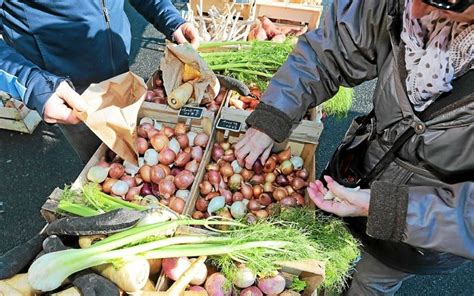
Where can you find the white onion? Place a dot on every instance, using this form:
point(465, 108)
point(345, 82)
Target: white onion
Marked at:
point(236, 167)
point(184, 194)
point(97, 174)
point(146, 120)
point(174, 145)
point(158, 125)
point(141, 161)
point(191, 135)
point(297, 162)
point(120, 188)
point(151, 157)
point(130, 168)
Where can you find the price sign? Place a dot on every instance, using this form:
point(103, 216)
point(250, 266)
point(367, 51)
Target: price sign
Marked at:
point(229, 125)
point(191, 112)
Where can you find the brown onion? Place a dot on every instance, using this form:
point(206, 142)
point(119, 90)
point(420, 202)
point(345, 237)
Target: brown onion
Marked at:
point(132, 193)
point(211, 195)
point(184, 179)
point(268, 187)
point(143, 129)
point(130, 180)
point(197, 215)
point(146, 189)
point(270, 165)
point(107, 185)
point(298, 183)
point(270, 177)
point(214, 178)
point(247, 190)
point(175, 171)
point(165, 168)
point(254, 205)
point(303, 174)
point(226, 170)
point(251, 218)
point(201, 140)
point(116, 171)
point(265, 199)
point(286, 167)
point(182, 159)
point(192, 166)
point(257, 167)
point(145, 173)
point(138, 179)
point(167, 156)
point(246, 174)
point(217, 152)
point(288, 201)
point(183, 141)
point(168, 131)
point(282, 180)
point(196, 153)
point(284, 155)
point(299, 198)
point(157, 174)
point(225, 145)
point(237, 196)
point(205, 187)
point(235, 182)
point(227, 194)
point(228, 155)
point(261, 214)
point(212, 167)
point(257, 190)
point(180, 129)
point(257, 179)
point(177, 204)
point(279, 193)
point(159, 142)
point(289, 189)
point(155, 190)
point(201, 204)
point(141, 144)
point(166, 188)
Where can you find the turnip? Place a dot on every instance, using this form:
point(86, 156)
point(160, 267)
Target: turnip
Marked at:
point(215, 285)
point(200, 274)
point(175, 267)
point(197, 289)
point(251, 291)
point(244, 277)
point(272, 285)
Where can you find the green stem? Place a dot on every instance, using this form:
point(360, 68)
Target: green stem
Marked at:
point(77, 209)
point(251, 72)
point(239, 65)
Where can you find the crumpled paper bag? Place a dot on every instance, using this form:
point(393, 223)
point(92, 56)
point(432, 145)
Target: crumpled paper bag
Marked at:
point(205, 89)
point(112, 112)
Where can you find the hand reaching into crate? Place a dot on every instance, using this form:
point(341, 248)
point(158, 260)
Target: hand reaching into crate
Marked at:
point(59, 108)
point(252, 145)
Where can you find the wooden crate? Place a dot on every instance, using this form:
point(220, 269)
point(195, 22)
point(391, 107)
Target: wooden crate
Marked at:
point(49, 208)
point(19, 118)
point(300, 11)
point(308, 131)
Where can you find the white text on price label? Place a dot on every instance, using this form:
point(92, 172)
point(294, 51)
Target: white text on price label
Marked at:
point(229, 125)
point(191, 112)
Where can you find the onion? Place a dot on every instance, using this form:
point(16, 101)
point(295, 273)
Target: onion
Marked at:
point(155, 190)
point(192, 166)
point(165, 201)
point(138, 179)
point(184, 179)
point(175, 171)
point(146, 120)
point(282, 180)
point(174, 145)
point(180, 129)
point(273, 209)
point(297, 162)
point(143, 129)
point(251, 218)
point(257, 190)
point(165, 168)
point(129, 180)
point(212, 167)
point(298, 183)
point(246, 174)
point(156, 174)
point(177, 204)
point(236, 167)
point(191, 136)
point(270, 177)
point(141, 144)
point(211, 195)
point(201, 204)
point(153, 132)
point(227, 194)
point(257, 167)
point(288, 201)
point(159, 142)
point(149, 96)
point(145, 173)
point(247, 190)
point(97, 174)
point(146, 189)
point(167, 156)
point(205, 187)
point(107, 185)
point(235, 182)
point(182, 159)
point(299, 198)
point(130, 168)
point(196, 153)
point(228, 155)
point(201, 140)
point(166, 188)
point(270, 165)
point(168, 131)
point(279, 193)
point(158, 126)
point(175, 267)
point(214, 178)
point(132, 193)
point(225, 145)
point(265, 199)
point(303, 174)
point(284, 155)
point(151, 157)
point(182, 193)
point(183, 141)
point(148, 200)
point(261, 214)
point(286, 167)
point(254, 205)
point(116, 171)
point(257, 179)
point(237, 196)
point(197, 215)
point(226, 170)
point(216, 204)
point(289, 189)
point(120, 188)
point(217, 152)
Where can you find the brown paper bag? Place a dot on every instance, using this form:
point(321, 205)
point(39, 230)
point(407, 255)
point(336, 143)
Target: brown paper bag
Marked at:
point(113, 110)
point(205, 89)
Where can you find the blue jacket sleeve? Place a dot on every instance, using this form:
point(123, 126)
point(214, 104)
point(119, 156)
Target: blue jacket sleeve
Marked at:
point(24, 80)
point(161, 13)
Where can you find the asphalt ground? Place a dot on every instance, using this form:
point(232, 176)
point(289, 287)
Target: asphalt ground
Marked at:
point(31, 166)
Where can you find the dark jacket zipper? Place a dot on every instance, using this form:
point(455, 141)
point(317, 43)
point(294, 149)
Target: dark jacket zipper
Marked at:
point(107, 22)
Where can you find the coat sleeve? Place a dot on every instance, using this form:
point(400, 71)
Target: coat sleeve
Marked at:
point(24, 80)
point(438, 218)
point(161, 13)
point(346, 50)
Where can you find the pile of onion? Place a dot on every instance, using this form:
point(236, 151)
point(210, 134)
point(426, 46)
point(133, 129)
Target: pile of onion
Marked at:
point(169, 159)
point(229, 190)
point(158, 94)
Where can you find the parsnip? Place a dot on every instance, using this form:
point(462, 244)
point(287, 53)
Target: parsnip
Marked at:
point(20, 283)
point(180, 96)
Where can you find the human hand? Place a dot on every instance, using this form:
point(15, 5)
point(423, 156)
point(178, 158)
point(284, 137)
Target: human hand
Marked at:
point(59, 107)
point(352, 203)
point(252, 145)
point(187, 33)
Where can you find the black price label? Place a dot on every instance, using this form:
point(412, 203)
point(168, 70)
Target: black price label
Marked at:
point(230, 125)
point(191, 112)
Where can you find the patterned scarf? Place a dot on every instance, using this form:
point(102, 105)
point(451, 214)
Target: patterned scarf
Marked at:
point(437, 50)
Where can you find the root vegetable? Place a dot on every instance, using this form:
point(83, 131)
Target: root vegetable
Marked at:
point(18, 283)
point(251, 291)
point(159, 142)
point(195, 268)
point(97, 174)
point(272, 285)
point(132, 276)
point(238, 210)
point(244, 277)
point(184, 179)
point(175, 267)
point(177, 204)
point(167, 156)
point(216, 204)
point(201, 139)
point(155, 265)
point(86, 241)
point(215, 285)
point(200, 273)
point(180, 96)
point(120, 188)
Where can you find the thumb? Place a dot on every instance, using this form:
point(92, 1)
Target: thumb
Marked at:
point(71, 97)
point(337, 189)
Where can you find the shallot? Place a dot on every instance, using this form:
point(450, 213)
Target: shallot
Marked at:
point(97, 174)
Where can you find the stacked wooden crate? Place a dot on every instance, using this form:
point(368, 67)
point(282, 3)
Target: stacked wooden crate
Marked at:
point(15, 116)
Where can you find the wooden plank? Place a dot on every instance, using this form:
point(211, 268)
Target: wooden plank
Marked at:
point(9, 113)
point(291, 11)
point(13, 125)
point(31, 121)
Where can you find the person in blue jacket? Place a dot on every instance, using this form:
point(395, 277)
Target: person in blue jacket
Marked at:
point(53, 50)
